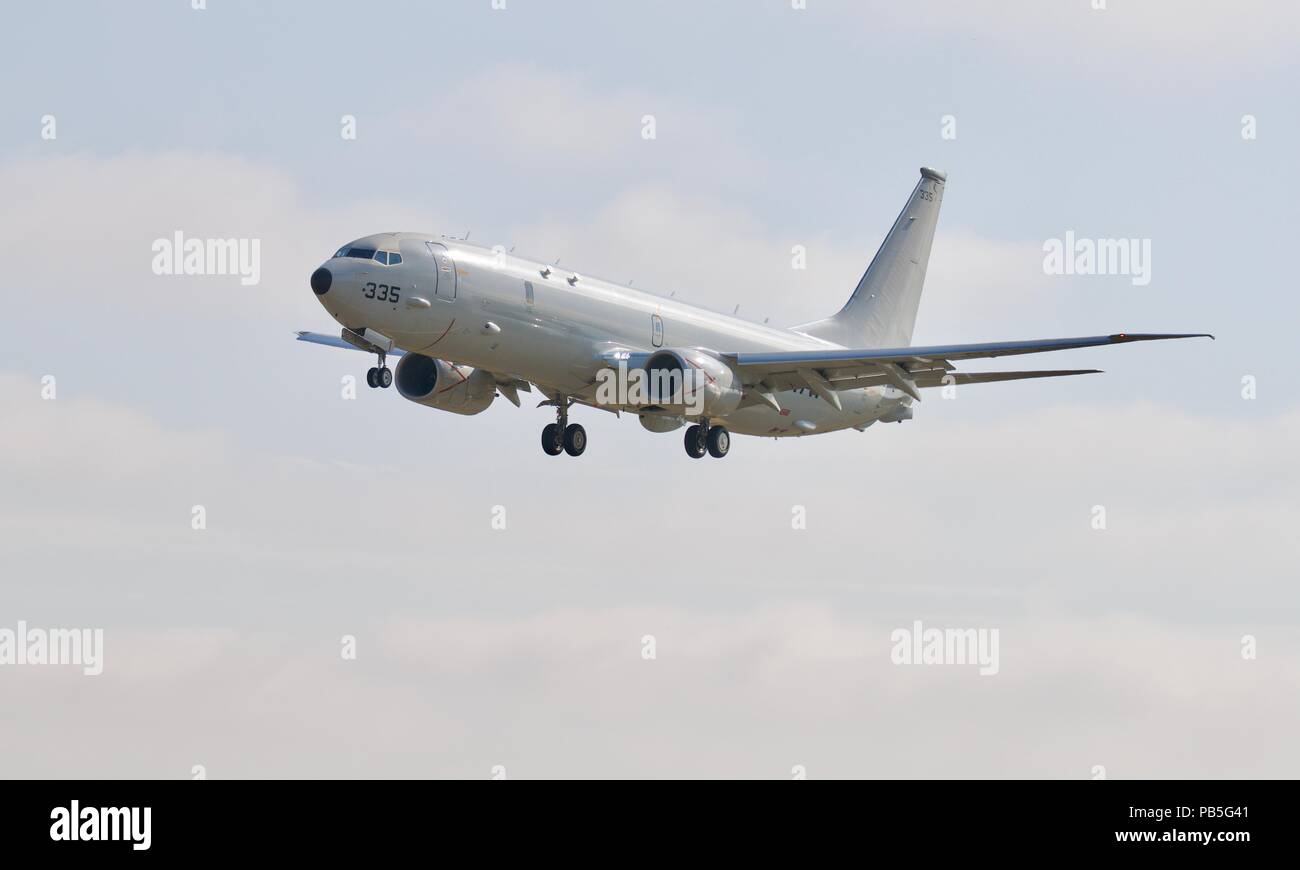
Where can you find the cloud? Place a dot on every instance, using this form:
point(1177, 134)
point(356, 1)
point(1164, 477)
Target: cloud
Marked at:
point(524, 117)
point(85, 224)
point(479, 647)
point(717, 255)
point(1154, 36)
point(748, 693)
point(522, 647)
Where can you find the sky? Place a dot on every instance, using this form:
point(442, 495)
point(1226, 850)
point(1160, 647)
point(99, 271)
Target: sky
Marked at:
point(352, 606)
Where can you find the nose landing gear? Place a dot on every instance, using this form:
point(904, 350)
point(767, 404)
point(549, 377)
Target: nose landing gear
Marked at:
point(563, 436)
point(703, 438)
point(380, 376)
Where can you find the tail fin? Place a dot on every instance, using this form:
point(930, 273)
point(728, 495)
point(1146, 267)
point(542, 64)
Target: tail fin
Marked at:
point(882, 310)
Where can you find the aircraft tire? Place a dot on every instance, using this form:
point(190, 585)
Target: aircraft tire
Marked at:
point(694, 443)
point(719, 441)
point(575, 439)
point(552, 439)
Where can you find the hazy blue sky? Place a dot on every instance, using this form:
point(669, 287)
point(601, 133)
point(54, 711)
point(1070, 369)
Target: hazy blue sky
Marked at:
point(522, 647)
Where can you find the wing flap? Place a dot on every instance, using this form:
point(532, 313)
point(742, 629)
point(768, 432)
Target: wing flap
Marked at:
point(925, 380)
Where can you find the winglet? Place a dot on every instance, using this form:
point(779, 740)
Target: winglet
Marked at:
point(1154, 336)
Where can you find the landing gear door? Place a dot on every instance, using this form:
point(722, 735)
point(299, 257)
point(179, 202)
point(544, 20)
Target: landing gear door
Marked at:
point(445, 270)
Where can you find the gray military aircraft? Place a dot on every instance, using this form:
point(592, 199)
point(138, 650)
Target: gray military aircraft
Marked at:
point(472, 323)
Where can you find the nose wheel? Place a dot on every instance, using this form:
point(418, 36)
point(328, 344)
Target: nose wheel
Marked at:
point(563, 436)
point(380, 376)
point(703, 438)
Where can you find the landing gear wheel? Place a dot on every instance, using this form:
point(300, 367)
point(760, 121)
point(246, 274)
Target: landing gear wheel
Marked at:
point(575, 439)
point(719, 441)
point(694, 442)
point(372, 377)
point(385, 377)
point(552, 439)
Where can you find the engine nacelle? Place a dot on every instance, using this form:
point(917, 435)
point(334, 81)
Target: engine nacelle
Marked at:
point(443, 385)
point(660, 424)
point(897, 414)
point(692, 380)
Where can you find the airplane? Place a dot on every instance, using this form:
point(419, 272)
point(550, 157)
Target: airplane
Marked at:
point(471, 323)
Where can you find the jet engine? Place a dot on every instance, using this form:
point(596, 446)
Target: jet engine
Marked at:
point(443, 385)
point(693, 380)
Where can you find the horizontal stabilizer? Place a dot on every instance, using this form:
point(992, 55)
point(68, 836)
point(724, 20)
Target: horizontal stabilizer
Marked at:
point(937, 380)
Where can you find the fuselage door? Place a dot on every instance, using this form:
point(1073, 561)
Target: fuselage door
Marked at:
point(656, 330)
point(445, 270)
point(446, 276)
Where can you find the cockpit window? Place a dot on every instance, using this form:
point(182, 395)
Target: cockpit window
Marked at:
point(386, 258)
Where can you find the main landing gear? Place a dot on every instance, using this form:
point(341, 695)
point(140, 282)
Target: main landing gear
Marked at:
point(380, 376)
point(563, 436)
point(702, 438)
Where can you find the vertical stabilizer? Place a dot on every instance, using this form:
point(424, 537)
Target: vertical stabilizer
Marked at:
point(882, 310)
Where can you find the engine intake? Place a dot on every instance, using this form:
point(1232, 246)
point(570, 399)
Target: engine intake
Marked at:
point(692, 380)
point(439, 384)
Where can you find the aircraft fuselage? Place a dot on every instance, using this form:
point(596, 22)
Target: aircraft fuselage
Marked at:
point(557, 328)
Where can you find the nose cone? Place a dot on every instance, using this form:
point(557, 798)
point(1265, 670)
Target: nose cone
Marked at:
point(321, 280)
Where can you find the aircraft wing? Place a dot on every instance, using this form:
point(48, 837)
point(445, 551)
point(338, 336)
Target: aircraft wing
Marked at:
point(336, 341)
point(507, 385)
point(908, 367)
